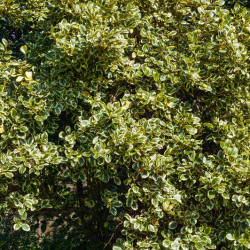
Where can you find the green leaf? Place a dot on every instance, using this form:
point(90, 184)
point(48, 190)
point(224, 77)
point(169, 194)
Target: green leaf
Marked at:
point(175, 245)
point(134, 206)
point(129, 201)
point(216, 180)
point(105, 177)
point(81, 162)
point(210, 205)
point(245, 243)
point(229, 237)
point(116, 248)
point(138, 74)
point(9, 174)
point(243, 226)
point(89, 203)
point(58, 110)
point(4, 41)
point(136, 189)
point(29, 203)
point(209, 125)
point(2, 47)
point(117, 204)
point(22, 169)
point(163, 78)
point(220, 2)
point(166, 243)
point(199, 246)
point(24, 49)
point(225, 195)
point(156, 76)
point(108, 158)
point(152, 228)
point(155, 202)
point(211, 194)
point(222, 236)
point(82, 28)
point(117, 181)
point(176, 198)
point(172, 225)
point(113, 211)
point(237, 7)
point(23, 129)
point(146, 70)
point(191, 130)
point(14, 114)
point(21, 211)
point(234, 152)
point(28, 75)
point(16, 226)
point(220, 154)
point(83, 178)
point(207, 230)
point(25, 227)
point(192, 36)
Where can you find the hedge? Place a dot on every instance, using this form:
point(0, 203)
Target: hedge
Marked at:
point(128, 121)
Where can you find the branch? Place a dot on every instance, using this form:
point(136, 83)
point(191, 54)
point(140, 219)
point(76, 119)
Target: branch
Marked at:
point(53, 211)
point(113, 234)
point(80, 198)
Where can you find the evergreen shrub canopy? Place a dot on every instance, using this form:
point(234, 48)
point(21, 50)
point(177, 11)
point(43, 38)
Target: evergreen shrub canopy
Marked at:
point(127, 120)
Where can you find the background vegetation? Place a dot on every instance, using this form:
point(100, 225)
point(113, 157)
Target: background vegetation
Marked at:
point(126, 122)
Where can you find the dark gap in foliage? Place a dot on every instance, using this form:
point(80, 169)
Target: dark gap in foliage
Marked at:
point(148, 115)
point(162, 151)
point(209, 146)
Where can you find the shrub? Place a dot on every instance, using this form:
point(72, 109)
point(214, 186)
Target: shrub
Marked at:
point(128, 121)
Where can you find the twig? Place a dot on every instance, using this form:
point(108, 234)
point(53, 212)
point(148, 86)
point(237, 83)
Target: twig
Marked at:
point(113, 234)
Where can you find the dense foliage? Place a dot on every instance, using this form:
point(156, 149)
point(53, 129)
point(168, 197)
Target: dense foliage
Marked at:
point(127, 121)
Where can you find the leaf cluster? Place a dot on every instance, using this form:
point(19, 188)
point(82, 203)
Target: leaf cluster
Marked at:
point(127, 121)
